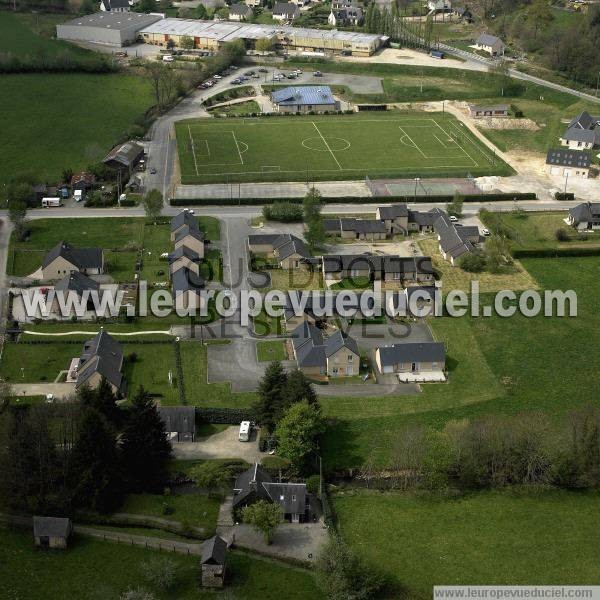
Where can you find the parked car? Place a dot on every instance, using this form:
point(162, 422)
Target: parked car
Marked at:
point(249, 72)
point(298, 71)
point(318, 74)
point(152, 171)
point(291, 75)
point(485, 232)
point(233, 68)
point(263, 70)
point(236, 81)
point(168, 58)
point(453, 218)
point(217, 76)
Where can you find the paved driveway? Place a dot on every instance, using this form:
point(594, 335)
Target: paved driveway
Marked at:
point(224, 444)
point(235, 362)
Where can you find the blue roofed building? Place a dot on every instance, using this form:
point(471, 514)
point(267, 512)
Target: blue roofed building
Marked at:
point(305, 99)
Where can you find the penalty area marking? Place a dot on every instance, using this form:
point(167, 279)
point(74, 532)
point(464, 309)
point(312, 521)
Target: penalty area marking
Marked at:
point(237, 146)
point(411, 141)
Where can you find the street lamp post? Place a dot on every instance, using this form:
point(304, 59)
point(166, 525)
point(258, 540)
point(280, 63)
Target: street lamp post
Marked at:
point(417, 179)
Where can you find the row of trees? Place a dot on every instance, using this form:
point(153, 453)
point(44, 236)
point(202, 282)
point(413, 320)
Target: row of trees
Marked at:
point(495, 451)
point(84, 455)
point(313, 219)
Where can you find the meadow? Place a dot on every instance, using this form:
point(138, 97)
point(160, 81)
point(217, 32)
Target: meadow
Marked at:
point(506, 537)
point(93, 569)
point(334, 147)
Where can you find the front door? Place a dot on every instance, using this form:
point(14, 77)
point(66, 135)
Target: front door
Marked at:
point(295, 518)
point(413, 367)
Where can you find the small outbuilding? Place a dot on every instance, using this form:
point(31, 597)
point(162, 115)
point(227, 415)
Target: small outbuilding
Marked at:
point(213, 564)
point(496, 110)
point(52, 532)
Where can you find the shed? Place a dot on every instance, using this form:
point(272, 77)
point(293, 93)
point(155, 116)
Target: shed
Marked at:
point(51, 532)
point(213, 562)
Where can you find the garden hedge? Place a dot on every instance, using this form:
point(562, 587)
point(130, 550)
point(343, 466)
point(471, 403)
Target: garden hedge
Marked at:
point(496, 197)
point(555, 252)
point(224, 416)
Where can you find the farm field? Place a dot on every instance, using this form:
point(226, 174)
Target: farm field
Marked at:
point(93, 569)
point(506, 537)
point(338, 147)
point(45, 146)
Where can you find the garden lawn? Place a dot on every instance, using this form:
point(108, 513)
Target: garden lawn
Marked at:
point(242, 108)
point(93, 569)
point(197, 510)
point(270, 350)
point(454, 278)
point(80, 131)
point(40, 362)
point(492, 538)
point(537, 230)
point(198, 391)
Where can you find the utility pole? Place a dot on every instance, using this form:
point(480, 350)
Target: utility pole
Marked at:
point(566, 181)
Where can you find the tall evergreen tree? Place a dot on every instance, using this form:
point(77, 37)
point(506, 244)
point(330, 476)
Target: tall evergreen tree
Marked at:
point(270, 395)
point(101, 399)
point(145, 448)
point(298, 388)
point(95, 467)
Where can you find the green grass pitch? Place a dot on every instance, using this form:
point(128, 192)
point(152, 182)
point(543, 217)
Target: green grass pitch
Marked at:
point(331, 147)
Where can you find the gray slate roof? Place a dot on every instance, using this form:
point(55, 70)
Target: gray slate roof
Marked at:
point(584, 128)
point(394, 211)
point(214, 551)
point(569, 158)
point(184, 280)
point(184, 218)
point(102, 354)
point(453, 240)
point(357, 225)
point(285, 244)
point(51, 527)
point(290, 496)
point(76, 282)
point(82, 258)
point(585, 212)
point(287, 9)
point(181, 419)
point(485, 39)
point(308, 346)
point(129, 153)
point(388, 264)
point(339, 340)
point(183, 251)
point(412, 352)
point(240, 9)
point(186, 231)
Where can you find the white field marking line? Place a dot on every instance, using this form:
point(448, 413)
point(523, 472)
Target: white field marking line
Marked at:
point(484, 154)
point(412, 142)
point(442, 129)
point(441, 142)
point(237, 146)
point(193, 150)
point(328, 148)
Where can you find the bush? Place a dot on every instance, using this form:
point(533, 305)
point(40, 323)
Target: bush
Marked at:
point(285, 212)
point(473, 262)
point(167, 509)
point(159, 571)
point(561, 235)
point(313, 484)
point(564, 196)
point(132, 358)
point(275, 463)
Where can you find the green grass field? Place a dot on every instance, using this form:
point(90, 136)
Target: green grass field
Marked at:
point(80, 130)
point(270, 350)
point(93, 569)
point(490, 538)
point(335, 147)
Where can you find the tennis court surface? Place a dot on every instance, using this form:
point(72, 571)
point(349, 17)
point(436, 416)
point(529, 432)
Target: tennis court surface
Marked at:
point(331, 147)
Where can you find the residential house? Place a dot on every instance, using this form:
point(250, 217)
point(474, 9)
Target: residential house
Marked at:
point(256, 484)
point(254, 3)
point(496, 110)
point(289, 251)
point(180, 220)
point(124, 157)
point(569, 163)
point(455, 240)
point(285, 11)
point(439, 5)
point(184, 258)
point(213, 562)
point(304, 99)
point(336, 356)
point(190, 237)
point(83, 181)
point(387, 268)
point(399, 219)
point(301, 3)
point(359, 229)
point(421, 297)
point(293, 320)
point(101, 358)
point(585, 216)
point(413, 361)
point(180, 422)
point(463, 13)
point(491, 44)
point(345, 17)
point(52, 532)
point(115, 6)
point(583, 132)
point(75, 284)
point(240, 12)
point(187, 289)
point(64, 259)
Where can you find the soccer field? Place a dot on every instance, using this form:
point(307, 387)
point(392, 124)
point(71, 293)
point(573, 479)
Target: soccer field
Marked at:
point(334, 147)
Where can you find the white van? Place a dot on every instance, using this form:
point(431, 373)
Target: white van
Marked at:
point(244, 431)
point(168, 58)
point(51, 202)
point(78, 195)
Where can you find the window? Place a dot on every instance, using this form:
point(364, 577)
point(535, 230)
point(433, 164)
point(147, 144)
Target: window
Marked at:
point(397, 276)
point(293, 498)
point(350, 358)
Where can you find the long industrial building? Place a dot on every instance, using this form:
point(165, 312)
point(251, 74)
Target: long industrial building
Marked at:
point(121, 29)
point(209, 35)
point(110, 28)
